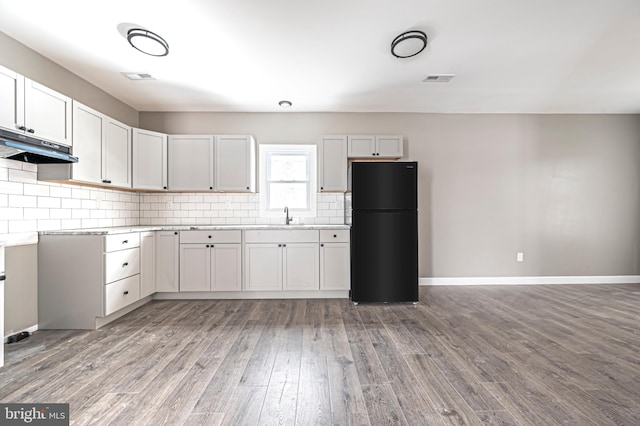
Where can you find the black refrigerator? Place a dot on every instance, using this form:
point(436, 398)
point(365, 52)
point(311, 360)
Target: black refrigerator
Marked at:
point(384, 232)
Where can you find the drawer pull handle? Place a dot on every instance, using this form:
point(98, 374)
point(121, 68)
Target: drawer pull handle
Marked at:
point(125, 242)
point(106, 181)
point(126, 292)
point(335, 236)
point(125, 264)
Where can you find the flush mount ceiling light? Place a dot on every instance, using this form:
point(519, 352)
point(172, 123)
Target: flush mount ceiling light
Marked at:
point(147, 42)
point(408, 44)
point(285, 104)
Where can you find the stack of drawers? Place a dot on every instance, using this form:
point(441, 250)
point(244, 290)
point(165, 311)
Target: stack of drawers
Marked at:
point(121, 271)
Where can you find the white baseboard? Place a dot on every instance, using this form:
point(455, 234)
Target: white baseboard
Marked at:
point(599, 279)
point(290, 294)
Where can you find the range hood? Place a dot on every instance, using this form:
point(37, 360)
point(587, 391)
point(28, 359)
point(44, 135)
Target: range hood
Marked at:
point(16, 146)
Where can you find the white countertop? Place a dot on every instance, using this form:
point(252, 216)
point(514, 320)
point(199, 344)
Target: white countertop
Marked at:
point(143, 228)
point(19, 239)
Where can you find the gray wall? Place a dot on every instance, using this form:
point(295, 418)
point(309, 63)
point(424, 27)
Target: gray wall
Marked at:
point(563, 189)
point(31, 64)
point(20, 288)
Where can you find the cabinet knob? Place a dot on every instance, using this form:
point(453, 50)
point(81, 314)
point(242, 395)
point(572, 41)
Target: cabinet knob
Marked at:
point(209, 236)
point(373, 153)
point(22, 128)
point(247, 187)
point(31, 131)
point(126, 292)
point(335, 236)
point(164, 187)
point(279, 245)
point(321, 245)
point(378, 154)
point(125, 264)
point(211, 187)
point(125, 242)
point(207, 246)
point(284, 245)
point(175, 233)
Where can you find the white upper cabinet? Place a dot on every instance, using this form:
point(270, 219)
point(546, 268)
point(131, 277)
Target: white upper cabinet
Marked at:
point(34, 109)
point(116, 154)
point(212, 163)
point(375, 146)
point(103, 148)
point(333, 163)
point(235, 163)
point(88, 127)
point(149, 160)
point(191, 162)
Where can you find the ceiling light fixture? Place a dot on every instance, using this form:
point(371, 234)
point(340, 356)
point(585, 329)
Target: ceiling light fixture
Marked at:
point(147, 42)
point(285, 104)
point(408, 44)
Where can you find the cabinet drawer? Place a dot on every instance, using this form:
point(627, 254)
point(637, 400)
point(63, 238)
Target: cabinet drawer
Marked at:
point(335, 236)
point(217, 236)
point(281, 236)
point(121, 264)
point(121, 293)
point(121, 241)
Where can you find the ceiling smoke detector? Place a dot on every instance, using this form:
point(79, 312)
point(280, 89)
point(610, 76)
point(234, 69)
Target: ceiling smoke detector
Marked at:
point(138, 76)
point(438, 78)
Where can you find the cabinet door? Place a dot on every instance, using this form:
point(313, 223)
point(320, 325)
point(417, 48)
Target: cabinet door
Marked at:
point(263, 267)
point(167, 258)
point(149, 160)
point(301, 266)
point(226, 270)
point(116, 154)
point(195, 267)
point(88, 127)
point(389, 146)
point(235, 163)
point(11, 99)
point(147, 263)
point(335, 266)
point(360, 146)
point(47, 113)
point(333, 163)
point(190, 163)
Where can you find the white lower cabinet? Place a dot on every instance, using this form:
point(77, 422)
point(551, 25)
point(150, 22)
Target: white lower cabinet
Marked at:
point(147, 263)
point(211, 260)
point(167, 261)
point(82, 279)
point(335, 260)
point(282, 260)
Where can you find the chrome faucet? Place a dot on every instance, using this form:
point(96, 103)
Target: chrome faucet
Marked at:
point(287, 219)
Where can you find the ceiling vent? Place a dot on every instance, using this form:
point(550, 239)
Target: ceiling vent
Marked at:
point(138, 76)
point(438, 78)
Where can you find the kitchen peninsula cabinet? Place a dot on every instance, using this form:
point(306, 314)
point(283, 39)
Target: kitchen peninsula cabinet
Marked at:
point(149, 160)
point(211, 260)
point(83, 279)
point(33, 109)
point(281, 260)
point(375, 146)
point(332, 170)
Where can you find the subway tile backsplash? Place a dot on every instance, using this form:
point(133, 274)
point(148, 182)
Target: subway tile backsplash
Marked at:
point(28, 205)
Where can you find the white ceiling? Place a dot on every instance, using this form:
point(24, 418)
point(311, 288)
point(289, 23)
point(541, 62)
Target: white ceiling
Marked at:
point(539, 56)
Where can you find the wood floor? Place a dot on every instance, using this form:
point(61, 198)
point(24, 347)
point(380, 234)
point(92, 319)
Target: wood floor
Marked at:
point(516, 355)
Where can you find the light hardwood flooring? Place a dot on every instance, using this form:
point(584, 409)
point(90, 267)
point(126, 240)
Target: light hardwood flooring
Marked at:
point(505, 355)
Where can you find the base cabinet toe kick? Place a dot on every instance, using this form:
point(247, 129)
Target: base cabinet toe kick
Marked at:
point(87, 280)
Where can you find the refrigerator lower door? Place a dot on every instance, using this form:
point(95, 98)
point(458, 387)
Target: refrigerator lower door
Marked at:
point(384, 256)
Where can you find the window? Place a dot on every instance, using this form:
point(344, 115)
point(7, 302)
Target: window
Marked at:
point(288, 179)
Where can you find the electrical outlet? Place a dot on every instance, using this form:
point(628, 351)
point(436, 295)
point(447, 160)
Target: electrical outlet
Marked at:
point(519, 257)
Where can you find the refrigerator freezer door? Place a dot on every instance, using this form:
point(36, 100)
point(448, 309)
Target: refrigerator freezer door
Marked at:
point(384, 262)
point(384, 186)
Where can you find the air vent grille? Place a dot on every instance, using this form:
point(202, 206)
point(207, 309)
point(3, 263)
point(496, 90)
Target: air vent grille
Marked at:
point(138, 76)
point(438, 78)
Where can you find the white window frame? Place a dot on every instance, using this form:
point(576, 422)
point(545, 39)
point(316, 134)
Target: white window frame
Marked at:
point(311, 151)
